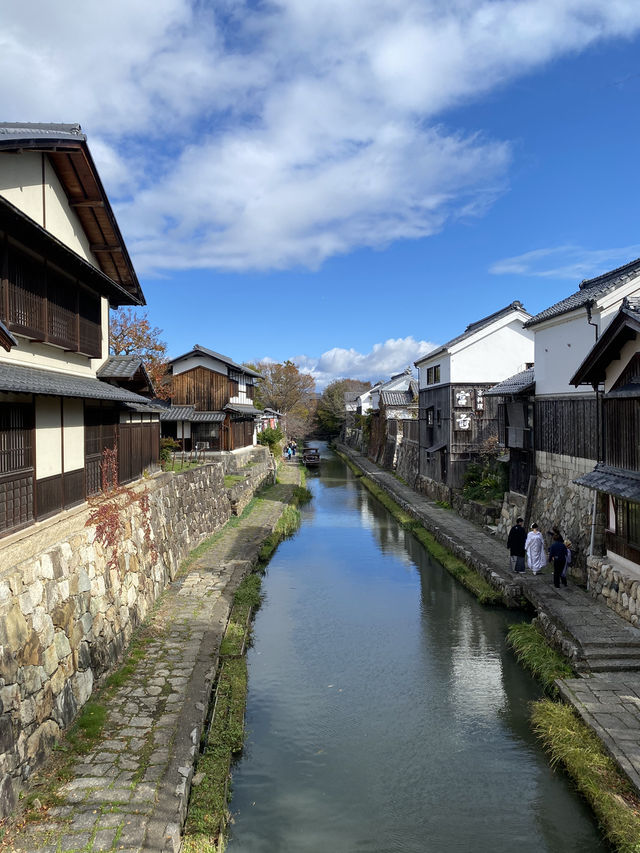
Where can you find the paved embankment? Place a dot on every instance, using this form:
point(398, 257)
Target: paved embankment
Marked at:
point(130, 792)
point(604, 647)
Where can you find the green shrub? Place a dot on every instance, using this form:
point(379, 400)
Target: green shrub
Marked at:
point(271, 438)
point(167, 447)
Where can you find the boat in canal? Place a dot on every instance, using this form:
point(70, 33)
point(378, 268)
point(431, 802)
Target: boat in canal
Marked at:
point(311, 457)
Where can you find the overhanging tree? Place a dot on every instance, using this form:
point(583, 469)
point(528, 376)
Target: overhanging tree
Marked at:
point(284, 388)
point(331, 410)
point(131, 333)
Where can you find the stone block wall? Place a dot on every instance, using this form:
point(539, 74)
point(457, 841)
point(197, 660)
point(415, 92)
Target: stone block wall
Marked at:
point(557, 500)
point(407, 460)
point(514, 506)
point(619, 589)
point(254, 476)
point(66, 616)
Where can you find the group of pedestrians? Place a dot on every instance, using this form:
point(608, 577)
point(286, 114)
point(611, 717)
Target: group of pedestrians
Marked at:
point(290, 449)
point(532, 546)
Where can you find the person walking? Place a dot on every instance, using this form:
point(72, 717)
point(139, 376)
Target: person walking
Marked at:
point(558, 556)
point(568, 561)
point(515, 543)
point(534, 546)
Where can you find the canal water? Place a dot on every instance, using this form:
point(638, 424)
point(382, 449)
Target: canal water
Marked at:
point(385, 712)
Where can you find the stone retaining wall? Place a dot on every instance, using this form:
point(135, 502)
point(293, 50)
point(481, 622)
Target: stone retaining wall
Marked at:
point(407, 464)
point(254, 476)
point(619, 589)
point(557, 500)
point(66, 616)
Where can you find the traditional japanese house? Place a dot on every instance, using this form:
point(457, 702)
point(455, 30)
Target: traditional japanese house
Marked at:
point(64, 264)
point(212, 403)
point(612, 369)
point(456, 416)
point(567, 432)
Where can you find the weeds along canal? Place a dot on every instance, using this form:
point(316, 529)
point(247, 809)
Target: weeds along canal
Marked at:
point(385, 711)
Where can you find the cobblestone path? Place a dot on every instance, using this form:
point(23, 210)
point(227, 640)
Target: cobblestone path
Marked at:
point(130, 792)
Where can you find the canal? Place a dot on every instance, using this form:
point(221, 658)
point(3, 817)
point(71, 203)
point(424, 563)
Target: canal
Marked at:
point(385, 712)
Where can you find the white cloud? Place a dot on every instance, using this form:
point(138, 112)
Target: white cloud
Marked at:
point(238, 135)
point(383, 360)
point(567, 262)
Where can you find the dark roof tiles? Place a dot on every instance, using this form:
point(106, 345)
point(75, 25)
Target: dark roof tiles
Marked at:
point(472, 328)
point(614, 481)
point(590, 290)
point(516, 384)
point(31, 380)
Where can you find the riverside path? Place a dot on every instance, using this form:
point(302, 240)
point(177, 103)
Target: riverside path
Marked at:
point(603, 646)
point(130, 792)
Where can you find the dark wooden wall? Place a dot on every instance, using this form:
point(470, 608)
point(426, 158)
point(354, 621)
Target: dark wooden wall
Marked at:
point(568, 426)
point(622, 433)
point(205, 389)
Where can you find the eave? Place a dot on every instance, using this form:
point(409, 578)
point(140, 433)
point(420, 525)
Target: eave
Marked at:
point(624, 327)
point(74, 167)
point(18, 226)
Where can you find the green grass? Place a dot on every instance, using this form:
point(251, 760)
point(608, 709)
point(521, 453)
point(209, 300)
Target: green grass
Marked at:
point(535, 654)
point(574, 746)
point(231, 479)
point(180, 466)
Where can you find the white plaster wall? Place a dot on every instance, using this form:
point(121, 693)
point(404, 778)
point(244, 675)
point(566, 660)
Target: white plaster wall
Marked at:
point(48, 443)
point(73, 435)
point(560, 348)
point(21, 184)
point(493, 357)
point(31, 354)
point(444, 360)
point(203, 361)
point(617, 367)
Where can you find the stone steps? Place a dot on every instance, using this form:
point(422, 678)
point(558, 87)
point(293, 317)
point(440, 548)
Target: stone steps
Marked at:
point(612, 665)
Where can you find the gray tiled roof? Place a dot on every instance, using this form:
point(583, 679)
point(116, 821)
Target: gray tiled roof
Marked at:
point(590, 289)
point(614, 481)
point(351, 396)
point(472, 328)
point(208, 417)
point(188, 413)
point(242, 409)
point(397, 398)
point(10, 131)
point(224, 358)
point(515, 384)
point(32, 380)
point(120, 367)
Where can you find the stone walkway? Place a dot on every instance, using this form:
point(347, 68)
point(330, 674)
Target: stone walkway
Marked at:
point(130, 793)
point(604, 647)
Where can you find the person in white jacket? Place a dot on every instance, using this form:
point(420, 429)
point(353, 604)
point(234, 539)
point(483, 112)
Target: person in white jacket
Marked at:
point(534, 546)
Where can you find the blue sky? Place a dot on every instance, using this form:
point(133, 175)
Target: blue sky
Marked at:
point(345, 182)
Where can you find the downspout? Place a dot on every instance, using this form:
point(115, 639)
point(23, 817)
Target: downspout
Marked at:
point(589, 306)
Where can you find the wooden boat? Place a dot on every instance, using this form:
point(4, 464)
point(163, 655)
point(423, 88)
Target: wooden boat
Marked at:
point(311, 457)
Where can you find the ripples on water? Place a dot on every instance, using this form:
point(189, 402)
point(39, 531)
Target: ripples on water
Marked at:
point(385, 714)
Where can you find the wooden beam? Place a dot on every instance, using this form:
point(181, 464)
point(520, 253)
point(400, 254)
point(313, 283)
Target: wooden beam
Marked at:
point(102, 247)
point(88, 203)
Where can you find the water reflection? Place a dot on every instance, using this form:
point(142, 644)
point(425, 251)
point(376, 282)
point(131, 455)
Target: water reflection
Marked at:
point(385, 713)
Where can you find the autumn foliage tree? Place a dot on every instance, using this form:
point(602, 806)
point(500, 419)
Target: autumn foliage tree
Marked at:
point(131, 333)
point(284, 388)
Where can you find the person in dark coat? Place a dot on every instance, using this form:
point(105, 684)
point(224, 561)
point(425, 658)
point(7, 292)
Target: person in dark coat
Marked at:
point(515, 543)
point(558, 556)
